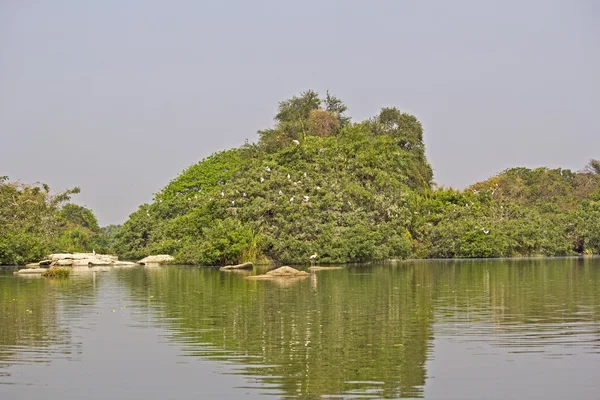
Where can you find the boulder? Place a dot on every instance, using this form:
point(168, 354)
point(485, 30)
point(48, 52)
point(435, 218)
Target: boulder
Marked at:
point(157, 259)
point(282, 272)
point(247, 265)
point(45, 262)
point(64, 263)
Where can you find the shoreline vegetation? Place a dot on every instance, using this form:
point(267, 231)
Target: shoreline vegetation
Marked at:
point(318, 182)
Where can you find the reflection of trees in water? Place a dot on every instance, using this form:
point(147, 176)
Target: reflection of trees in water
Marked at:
point(540, 300)
point(30, 327)
point(361, 330)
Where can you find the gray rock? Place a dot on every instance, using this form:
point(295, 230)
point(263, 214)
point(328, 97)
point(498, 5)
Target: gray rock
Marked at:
point(157, 259)
point(247, 265)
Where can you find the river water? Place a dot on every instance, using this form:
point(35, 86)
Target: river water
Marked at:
point(512, 329)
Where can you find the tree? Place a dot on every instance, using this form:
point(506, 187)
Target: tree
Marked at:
point(593, 167)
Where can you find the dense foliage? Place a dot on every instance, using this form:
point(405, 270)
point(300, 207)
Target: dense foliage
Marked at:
point(316, 182)
point(34, 223)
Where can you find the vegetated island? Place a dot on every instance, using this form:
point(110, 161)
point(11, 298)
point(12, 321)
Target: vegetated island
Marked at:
point(353, 191)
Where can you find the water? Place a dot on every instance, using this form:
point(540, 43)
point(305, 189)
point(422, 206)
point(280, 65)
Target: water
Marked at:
point(526, 329)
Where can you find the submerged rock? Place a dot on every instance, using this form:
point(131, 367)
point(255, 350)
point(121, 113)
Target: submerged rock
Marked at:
point(282, 272)
point(157, 259)
point(247, 265)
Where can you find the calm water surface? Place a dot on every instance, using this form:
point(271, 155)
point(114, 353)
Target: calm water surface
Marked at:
point(527, 329)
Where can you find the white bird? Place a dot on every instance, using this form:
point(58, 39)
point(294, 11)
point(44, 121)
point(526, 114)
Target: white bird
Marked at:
point(233, 202)
point(485, 231)
point(295, 183)
point(244, 194)
point(289, 177)
point(280, 193)
point(262, 179)
point(222, 194)
point(93, 252)
point(318, 187)
point(313, 258)
point(291, 199)
point(268, 169)
point(306, 198)
point(305, 174)
point(295, 141)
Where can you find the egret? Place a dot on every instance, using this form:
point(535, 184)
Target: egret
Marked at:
point(233, 202)
point(306, 198)
point(262, 179)
point(292, 199)
point(295, 183)
point(318, 187)
point(485, 232)
point(280, 193)
point(313, 258)
point(222, 194)
point(244, 194)
point(295, 141)
point(289, 177)
point(305, 174)
point(268, 169)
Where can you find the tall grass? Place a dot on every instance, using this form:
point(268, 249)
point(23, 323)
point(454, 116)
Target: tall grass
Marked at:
point(57, 272)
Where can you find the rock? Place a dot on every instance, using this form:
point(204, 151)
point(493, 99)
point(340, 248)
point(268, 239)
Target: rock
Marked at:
point(282, 272)
point(323, 268)
point(60, 256)
point(247, 265)
point(30, 271)
point(33, 265)
point(124, 264)
point(98, 261)
point(157, 259)
point(81, 262)
point(45, 262)
point(64, 263)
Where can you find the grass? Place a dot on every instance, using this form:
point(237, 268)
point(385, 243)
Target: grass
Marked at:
point(57, 272)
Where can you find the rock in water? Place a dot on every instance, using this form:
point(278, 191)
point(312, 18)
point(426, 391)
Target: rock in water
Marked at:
point(157, 259)
point(247, 265)
point(282, 272)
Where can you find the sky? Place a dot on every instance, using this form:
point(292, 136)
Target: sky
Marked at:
point(119, 96)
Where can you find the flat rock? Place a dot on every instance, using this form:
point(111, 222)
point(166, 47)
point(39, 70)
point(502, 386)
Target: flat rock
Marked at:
point(247, 265)
point(64, 263)
point(324, 268)
point(282, 272)
point(30, 271)
point(33, 265)
point(45, 262)
point(157, 259)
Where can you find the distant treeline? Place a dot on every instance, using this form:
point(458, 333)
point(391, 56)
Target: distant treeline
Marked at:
point(34, 223)
point(318, 182)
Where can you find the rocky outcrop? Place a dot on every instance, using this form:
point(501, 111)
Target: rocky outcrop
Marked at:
point(281, 273)
point(87, 260)
point(157, 259)
point(247, 265)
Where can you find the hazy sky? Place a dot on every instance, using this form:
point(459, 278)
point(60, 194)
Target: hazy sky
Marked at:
point(118, 97)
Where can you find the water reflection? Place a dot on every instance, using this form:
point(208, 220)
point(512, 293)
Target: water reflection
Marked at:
point(363, 331)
